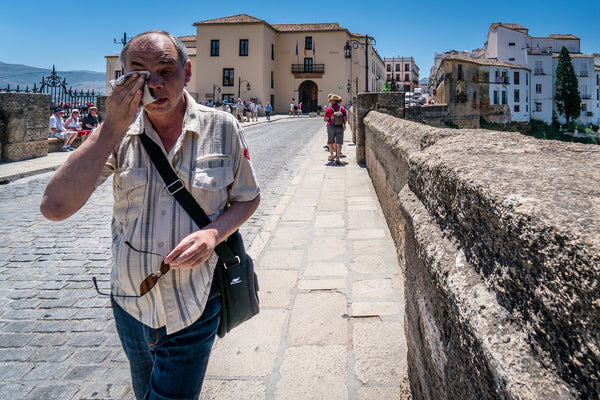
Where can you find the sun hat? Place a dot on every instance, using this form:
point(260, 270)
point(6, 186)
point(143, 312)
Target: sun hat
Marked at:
point(335, 97)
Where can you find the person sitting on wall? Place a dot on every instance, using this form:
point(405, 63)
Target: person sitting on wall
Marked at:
point(57, 129)
point(72, 123)
point(91, 121)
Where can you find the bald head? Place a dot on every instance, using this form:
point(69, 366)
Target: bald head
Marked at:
point(155, 35)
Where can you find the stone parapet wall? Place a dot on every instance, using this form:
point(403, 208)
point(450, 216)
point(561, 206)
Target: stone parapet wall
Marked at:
point(499, 237)
point(23, 125)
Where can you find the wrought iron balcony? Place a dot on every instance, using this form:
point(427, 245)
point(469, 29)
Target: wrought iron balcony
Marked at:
point(308, 68)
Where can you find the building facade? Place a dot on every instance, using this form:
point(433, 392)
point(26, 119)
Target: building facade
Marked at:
point(242, 56)
point(481, 88)
point(512, 43)
point(403, 71)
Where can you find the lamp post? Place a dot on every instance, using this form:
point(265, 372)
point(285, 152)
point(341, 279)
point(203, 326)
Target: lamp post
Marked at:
point(219, 91)
point(348, 54)
point(240, 85)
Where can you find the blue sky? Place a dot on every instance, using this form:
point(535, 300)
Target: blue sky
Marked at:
point(77, 35)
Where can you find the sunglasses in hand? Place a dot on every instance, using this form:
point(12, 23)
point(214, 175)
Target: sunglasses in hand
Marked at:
point(148, 283)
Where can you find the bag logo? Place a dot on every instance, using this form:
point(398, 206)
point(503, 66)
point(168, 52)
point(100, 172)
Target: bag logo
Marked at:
point(235, 281)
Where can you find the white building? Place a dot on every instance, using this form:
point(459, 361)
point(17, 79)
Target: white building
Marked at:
point(512, 43)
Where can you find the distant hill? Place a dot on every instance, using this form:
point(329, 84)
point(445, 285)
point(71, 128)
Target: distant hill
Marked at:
point(23, 75)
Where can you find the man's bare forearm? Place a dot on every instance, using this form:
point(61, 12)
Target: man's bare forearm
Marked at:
point(72, 185)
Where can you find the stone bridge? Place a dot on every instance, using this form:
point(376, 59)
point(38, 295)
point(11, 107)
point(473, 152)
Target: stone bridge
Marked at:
point(498, 235)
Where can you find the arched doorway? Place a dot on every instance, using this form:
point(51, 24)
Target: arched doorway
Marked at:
point(308, 94)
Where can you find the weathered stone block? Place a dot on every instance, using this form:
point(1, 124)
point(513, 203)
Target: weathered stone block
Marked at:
point(23, 125)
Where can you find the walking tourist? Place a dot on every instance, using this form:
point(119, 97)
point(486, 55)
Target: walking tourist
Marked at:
point(166, 327)
point(268, 109)
point(336, 118)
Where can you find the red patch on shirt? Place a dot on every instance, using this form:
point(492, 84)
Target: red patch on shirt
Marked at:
point(247, 153)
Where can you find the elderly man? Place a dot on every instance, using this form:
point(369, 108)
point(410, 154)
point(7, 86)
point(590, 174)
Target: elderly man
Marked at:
point(168, 331)
point(90, 121)
point(57, 129)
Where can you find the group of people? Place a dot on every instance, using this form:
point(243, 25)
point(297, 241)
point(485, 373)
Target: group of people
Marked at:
point(248, 112)
point(295, 109)
point(70, 129)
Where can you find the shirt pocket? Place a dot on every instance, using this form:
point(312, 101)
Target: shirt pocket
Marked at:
point(212, 177)
point(130, 190)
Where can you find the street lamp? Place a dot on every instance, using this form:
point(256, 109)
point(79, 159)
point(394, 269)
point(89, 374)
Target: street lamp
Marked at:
point(219, 91)
point(348, 54)
point(240, 84)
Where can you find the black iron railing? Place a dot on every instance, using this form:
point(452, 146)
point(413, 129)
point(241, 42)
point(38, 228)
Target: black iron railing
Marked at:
point(60, 96)
point(314, 68)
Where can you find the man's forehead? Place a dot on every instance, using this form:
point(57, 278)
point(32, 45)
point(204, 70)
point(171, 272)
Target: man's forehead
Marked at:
point(157, 47)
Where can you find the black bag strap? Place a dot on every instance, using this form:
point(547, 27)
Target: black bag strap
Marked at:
point(177, 189)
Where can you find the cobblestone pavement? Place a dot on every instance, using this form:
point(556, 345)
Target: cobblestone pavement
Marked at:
point(57, 337)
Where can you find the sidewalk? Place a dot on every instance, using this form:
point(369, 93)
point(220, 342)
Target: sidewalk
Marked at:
point(11, 171)
point(331, 324)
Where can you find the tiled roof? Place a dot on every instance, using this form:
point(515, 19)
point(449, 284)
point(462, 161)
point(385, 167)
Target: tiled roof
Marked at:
point(188, 38)
point(574, 55)
point(234, 19)
point(562, 36)
point(514, 27)
point(331, 26)
point(483, 61)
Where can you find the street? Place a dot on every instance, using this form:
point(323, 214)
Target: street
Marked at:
point(56, 332)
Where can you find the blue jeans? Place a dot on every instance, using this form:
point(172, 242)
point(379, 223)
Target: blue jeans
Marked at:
point(168, 366)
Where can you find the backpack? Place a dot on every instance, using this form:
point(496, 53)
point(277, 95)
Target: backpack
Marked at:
point(338, 116)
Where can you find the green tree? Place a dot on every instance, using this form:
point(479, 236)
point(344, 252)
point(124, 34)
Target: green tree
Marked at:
point(568, 101)
point(388, 87)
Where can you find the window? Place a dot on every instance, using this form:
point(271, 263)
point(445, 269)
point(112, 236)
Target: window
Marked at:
point(538, 107)
point(118, 73)
point(214, 48)
point(406, 78)
point(228, 97)
point(495, 97)
point(511, 43)
point(389, 67)
point(389, 77)
point(511, 59)
point(517, 78)
point(517, 108)
point(583, 106)
point(527, 78)
point(243, 47)
point(539, 70)
point(406, 67)
point(398, 77)
point(308, 44)
point(398, 67)
point(584, 71)
point(517, 95)
point(272, 52)
point(504, 97)
point(308, 65)
point(228, 77)
point(272, 79)
point(538, 88)
point(460, 72)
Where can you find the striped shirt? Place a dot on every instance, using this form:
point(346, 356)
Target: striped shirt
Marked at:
point(209, 157)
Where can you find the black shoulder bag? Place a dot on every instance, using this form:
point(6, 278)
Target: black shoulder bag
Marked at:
point(234, 273)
